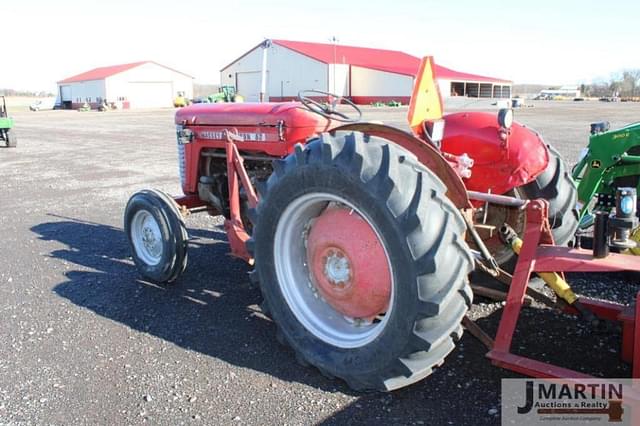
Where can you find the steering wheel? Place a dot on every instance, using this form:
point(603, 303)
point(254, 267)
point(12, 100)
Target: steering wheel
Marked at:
point(328, 110)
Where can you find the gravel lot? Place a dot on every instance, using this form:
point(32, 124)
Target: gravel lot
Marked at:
point(83, 340)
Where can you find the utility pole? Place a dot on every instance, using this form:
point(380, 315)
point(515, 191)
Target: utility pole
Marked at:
point(335, 41)
point(263, 84)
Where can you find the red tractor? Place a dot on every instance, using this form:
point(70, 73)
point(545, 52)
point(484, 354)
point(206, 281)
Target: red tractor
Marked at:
point(361, 236)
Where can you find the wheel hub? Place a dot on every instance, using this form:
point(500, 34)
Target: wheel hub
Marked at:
point(337, 267)
point(348, 265)
point(146, 237)
point(151, 243)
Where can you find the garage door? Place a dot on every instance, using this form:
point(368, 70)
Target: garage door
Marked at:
point(249, 84)
point(150, 94)
point(65, 93)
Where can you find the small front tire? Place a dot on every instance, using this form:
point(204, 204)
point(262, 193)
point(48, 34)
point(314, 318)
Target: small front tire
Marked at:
point(12, 140)
point(157, 235)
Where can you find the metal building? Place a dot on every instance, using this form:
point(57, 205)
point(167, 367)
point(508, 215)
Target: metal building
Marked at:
point(364, 75)
point(137, 85)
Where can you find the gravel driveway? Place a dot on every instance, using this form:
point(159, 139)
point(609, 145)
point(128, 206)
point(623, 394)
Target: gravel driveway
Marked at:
point(84, 340)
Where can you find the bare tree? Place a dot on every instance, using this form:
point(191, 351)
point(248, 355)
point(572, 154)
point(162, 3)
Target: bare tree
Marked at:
point(630, 82)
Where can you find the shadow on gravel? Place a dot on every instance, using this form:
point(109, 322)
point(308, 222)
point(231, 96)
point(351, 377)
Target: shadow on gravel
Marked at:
point(211, 308)
point(467, 386)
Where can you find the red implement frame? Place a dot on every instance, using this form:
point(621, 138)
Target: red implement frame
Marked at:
point(236, 173)
point(537, 255)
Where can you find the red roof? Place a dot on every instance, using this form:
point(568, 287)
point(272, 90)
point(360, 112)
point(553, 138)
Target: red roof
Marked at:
point(378, 59)
point(104, 72)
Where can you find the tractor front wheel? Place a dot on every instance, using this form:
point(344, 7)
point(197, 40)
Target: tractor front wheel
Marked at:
point(157, 235)
point(362, 261)
point(12, 140)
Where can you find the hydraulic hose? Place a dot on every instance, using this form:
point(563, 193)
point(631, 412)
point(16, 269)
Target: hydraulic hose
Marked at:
point(552, 279)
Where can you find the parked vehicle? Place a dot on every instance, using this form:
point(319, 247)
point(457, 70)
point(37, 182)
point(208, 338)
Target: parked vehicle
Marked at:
point(180, 100)
point(226, 94)
point(43, 104)
point(7, 133)
point(610, 161)
point(361, 235)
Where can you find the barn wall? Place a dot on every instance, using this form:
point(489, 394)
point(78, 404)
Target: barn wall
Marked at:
point(369, 85)
point(288, 73)
point(85, 91)
point(161, 83)
point(444, 86)
point(341, 74)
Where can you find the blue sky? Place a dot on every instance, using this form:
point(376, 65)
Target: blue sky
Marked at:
point(549, 42)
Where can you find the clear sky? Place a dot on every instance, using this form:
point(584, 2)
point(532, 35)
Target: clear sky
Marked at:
point(541, 41)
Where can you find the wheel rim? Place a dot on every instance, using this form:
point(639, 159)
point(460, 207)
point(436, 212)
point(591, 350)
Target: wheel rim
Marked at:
point(146, 237)
point(322, 274)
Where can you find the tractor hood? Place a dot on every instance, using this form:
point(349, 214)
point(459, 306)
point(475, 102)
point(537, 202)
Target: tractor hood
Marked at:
point(268, 114)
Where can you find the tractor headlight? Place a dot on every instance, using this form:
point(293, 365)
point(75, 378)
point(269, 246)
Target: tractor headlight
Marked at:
point(184, 135)
point(437, 131)
point(505, 118)
point(626, 205)
point(626, 202)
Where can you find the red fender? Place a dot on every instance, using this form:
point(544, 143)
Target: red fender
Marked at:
point(501, 163)
point(426, 154)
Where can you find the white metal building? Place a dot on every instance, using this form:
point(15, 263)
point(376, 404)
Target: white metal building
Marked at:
point(564, 91)
point(138, 85)
point(364, 75)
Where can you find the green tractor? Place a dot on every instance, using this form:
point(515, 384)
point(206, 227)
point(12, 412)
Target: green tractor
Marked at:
point(611, 161)
point(226, 94)
point(7, 135)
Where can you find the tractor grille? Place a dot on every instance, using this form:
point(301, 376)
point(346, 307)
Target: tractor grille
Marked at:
point(181, 164)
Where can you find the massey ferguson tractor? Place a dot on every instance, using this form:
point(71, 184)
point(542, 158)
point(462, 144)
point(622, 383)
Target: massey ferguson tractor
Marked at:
point(361, 236)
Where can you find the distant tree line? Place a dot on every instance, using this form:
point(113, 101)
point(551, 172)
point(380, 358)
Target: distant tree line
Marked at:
point(624, 84)
point(11, 92)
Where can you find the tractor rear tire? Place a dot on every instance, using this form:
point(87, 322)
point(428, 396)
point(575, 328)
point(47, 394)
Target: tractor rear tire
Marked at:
point(157, 235)
point(557, 186)
point(421, 235)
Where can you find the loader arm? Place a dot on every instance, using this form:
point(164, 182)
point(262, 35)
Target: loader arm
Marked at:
point(611, 156)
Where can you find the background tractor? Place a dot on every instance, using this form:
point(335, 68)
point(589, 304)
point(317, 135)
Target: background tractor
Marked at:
point(226, 94)
point(361, 235)
point(180, 100)
point(7, 134)
point(610, 161)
